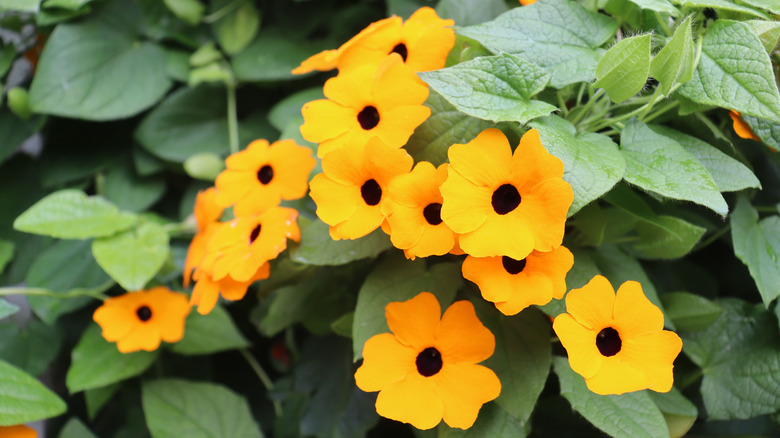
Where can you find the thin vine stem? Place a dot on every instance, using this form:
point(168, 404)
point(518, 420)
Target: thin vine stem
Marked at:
point(221, 12)
point(261, 374)
point(93, 293)
point(232, 116)
point(588, 106)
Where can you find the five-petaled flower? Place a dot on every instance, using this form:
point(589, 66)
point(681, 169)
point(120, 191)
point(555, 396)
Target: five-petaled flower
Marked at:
point(503, 203)
point(17, 431)
point(140, 320)
point(616, 341)
point(207, 290)
point(427, 369)
point(207, 214)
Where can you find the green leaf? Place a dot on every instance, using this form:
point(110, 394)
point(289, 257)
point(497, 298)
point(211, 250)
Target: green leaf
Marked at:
point(623, 70)
point(24, 399)
point(206, 334)
point(757, 244)
point(6, 253)
point(71, 214)
point(592, 162)
point(271, 57)
point(7, 57)
point(725, 5)
point(559, 35)
point(343, 325)
point(14, 131)
point(205, 166)
point(740, 361)
point(735, 72)
point(522, 357)
point(289, 108)
point(492, 422)
point(75, 429)
point(131, 192)
point(395, 280)
point(32, 347)
point(690, 312)
point(766, 31)
point(678, 411)
point(236, 29)
point(629, 202)
point(470, 12)
point(97, 398)
point(98, 68)
point(189, 11)
point(133, 257)
point(768, 131)
point(658, 6)
point(659, 164)
point(177, 408)
point(675, 62)
point(496, 88)
point(96, 363)
point(290, 304)
point(317, 248)
point(728, 173)
point(661, 243)
point(7, 309)
point(633, 414)
point(20, 5)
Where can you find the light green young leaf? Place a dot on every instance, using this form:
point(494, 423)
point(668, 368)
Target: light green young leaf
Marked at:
point(212, 333)
point(658, 6)
point(735, 72)
point(725, 5)
point(632, 414)
point(24, 399)
point(559, 35)
point(238, 28)
point(99, 68)
point(623, 70)
point(592, 163)
point(397, 279)
point(690, 312)
point(96, 362)
point(470, 12)
point(75, 429)
point(20, 5)
point(496, 88)
point(204, 166)
point(659, 164)
point(317, 248)
point(768, 131)
point(674, 63)
point(133, 257)
point(766, 31)
point(492, 422)
point(6, 253)
point(740, 361)
point(177, 408)
point(189, 11)
point(729, 174)
point(757, 244)
point(71, 214)
point(659, 243)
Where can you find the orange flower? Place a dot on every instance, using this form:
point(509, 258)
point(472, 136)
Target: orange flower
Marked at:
point(18, 431)
point(505, 204)
point(260, 176)
point(207, 214)
point(616, 341)
point(426, 369)
point(413, 211)
point(516, 284)
point(140, 320)
point(206, 291)
point(384, 101)
point(741, 128)
point(241, 247)
point(423, 43)
point(527, 2)
point(351, 190)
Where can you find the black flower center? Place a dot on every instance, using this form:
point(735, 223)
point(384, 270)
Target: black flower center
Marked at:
point(608, 342)
point(144, 313)
point(505, 199)
point(513, 266)
point(371, 192)
point(368, 117)
point(401, 49)
point(429, 362)
point(255, 232)
point(432, 213)
point(265, 174)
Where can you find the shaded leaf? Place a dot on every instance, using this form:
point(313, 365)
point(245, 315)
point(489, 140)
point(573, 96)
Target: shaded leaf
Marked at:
point(206, 334)
point(317, 248)
point(24, 399)
point(757, 244)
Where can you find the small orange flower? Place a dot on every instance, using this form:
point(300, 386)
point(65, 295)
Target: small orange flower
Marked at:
point(505, 204)
point(373, 101)
point(352, 188)
point(206, 291)
point(527, 2)
point(741, 128)
point(140, 320)
point(413, 211)
point(617, 341)
point(516, 284)
point(18, 431)
point(260, 176)
point(241, 247)
point(426, 369)
point(207, 214)
point(423, 43)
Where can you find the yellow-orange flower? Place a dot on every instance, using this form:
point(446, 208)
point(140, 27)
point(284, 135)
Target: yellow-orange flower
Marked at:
point(413, 211)
point(423, 42)
point(18, 431)
point(260, 176)
point(426, 369)
point(206, 291)
point(373, 101)
point(241, 247)
point(505, 204)
point(352, 188)
point(741, 128)
point(514, 285)
point(616, 341)
point(527, 2)
point(140, 320)
point(207, 214)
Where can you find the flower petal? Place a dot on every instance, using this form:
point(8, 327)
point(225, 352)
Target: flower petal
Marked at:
point(533, 288)
point(413, 400)
point(324, 120)
point(617, 377)
point(465, 206)
point(490, 276)
point(580, 344)
point(483, 161)
point(500, 235)
point(654, 354)
point(365, 220)
point(335, 202)
point(385, 361)
point(634, 314)
point(592, 304)
point(414, 321)
point(461, 336)
point(543, 209)
point(464, 388)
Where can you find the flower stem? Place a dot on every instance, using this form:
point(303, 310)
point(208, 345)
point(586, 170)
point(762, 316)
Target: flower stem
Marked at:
point(261, 374)
point(232, 117)
point(588, 105)
point(96, 293)
point(717, 235)
point(219, 13)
